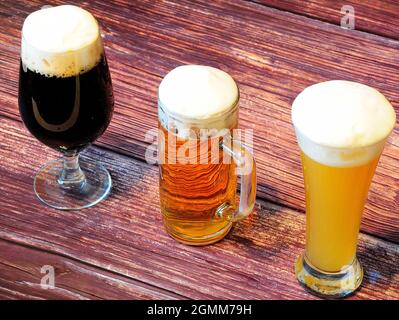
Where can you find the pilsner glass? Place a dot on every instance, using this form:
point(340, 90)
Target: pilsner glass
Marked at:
point(198, 112)
point(66, 102)
point(341, 128)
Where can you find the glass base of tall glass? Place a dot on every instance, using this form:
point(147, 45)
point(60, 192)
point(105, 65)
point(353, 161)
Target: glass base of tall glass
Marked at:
point(72, 183)
point(329, 284)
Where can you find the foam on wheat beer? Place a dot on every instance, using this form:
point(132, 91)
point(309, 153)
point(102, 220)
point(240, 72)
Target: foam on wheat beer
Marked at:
point(342, 123)
point(60, 41)
point(200, 94)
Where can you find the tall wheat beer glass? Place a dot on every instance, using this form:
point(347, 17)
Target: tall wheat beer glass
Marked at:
point(199, 160)
point(341, 128)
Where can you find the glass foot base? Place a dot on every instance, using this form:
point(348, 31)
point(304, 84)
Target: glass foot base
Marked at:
point(89, 192)
point(198, 241)
point(330, 285)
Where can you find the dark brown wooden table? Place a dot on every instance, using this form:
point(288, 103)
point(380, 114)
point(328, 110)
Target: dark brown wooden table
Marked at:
point(118, 249)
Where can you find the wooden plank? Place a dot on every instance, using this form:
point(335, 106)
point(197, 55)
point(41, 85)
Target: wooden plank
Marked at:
point(124, 235)
point(273, 55)
point(378, 17)
point(20, 278)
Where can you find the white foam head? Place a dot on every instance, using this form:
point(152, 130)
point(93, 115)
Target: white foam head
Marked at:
point(200, 94)
point(60, 41)
point(342, 123)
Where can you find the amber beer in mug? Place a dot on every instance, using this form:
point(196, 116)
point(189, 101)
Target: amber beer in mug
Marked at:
point(199, 160)
point(341, 128)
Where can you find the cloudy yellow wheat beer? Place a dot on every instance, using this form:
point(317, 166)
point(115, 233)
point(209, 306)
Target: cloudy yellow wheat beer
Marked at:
point(341, 128)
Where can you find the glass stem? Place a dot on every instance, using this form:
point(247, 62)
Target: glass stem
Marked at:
point(72, 176)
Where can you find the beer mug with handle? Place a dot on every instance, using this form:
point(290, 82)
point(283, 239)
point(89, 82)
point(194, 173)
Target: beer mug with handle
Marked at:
point(200, 158)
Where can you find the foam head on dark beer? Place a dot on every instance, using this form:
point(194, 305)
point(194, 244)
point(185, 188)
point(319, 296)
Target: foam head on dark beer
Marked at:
point(60, 41)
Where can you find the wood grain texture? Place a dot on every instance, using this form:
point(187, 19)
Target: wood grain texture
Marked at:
point(20, 278)
point(378, 17)
point(273, 55)
point(120, 245)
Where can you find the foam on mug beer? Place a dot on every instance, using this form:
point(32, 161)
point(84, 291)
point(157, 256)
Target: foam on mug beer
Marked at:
point(60, 41)
point(200, 94)
point(342, 123)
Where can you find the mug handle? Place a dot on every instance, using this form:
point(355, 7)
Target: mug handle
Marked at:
point(246, 169)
